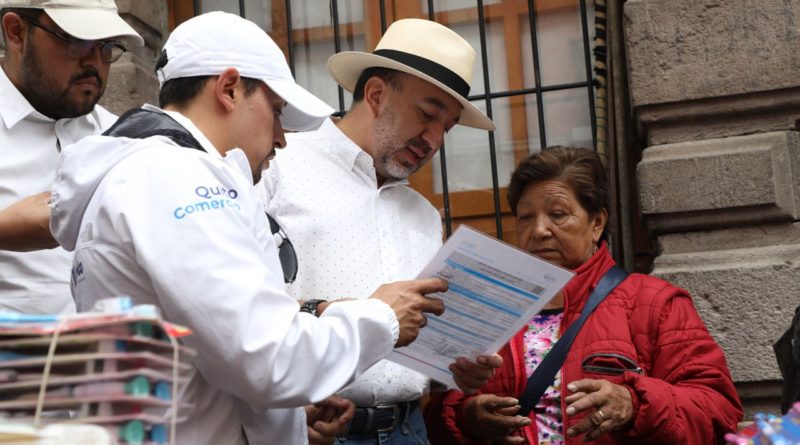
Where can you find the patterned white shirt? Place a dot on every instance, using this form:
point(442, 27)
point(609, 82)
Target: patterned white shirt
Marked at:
point(351, 236)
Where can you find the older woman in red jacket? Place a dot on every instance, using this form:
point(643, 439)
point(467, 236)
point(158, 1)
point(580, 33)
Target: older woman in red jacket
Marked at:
point(643, 369)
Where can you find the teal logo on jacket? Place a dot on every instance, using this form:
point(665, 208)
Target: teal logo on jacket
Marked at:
point(213, 198)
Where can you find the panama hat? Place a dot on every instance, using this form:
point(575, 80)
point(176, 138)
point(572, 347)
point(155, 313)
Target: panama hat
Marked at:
point(210, 43)
point(83, 19)
point(423, 49)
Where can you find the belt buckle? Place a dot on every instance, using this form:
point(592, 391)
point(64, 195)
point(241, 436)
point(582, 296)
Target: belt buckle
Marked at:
point(395, 418)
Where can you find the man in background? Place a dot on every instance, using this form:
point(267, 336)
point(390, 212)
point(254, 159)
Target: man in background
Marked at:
point(57, 59)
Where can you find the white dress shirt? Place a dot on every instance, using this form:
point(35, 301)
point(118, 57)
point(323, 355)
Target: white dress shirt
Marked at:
point(182, 229)
point(36, 282)
point(351, 236)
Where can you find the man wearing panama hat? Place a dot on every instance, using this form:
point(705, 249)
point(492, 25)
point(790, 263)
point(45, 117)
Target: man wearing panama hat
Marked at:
point(57, 59)
point(341, 193)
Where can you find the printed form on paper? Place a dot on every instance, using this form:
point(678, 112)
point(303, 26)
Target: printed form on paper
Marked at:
point(495, 289)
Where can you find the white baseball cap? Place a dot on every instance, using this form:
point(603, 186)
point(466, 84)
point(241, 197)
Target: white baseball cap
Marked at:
point(210, 43)
point(83, 19)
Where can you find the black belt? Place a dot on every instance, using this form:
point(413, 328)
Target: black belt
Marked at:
point(379, 419)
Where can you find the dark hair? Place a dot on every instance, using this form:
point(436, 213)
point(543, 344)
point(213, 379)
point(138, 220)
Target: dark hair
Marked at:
point(33, 13)
point(580, 168)
point(387, 74)
point(179, 92)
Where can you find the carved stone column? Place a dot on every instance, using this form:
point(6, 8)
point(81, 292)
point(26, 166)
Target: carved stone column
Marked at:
point(715, 89)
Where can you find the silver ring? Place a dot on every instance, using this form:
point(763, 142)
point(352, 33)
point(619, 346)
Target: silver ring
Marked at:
point(602, 416)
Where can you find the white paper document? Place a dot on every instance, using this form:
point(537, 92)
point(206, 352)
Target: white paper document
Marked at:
point(495, 289)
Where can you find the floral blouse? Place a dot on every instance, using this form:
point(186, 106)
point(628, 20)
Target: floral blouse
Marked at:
point(539, 338)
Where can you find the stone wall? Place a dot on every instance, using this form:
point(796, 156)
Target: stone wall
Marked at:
point(132, 81)
point(715, 93)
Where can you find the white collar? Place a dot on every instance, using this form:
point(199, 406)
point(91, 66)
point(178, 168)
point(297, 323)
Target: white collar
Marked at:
point(341, 146)
point(15, 107)
point(347, 151)
point(190, 126)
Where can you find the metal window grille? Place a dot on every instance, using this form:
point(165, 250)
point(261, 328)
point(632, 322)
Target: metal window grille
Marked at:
point(537, 90)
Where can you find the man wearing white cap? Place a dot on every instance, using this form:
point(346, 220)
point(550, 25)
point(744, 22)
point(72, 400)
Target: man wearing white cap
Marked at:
point(57, 59)
point(342, 195)
point(162, 208)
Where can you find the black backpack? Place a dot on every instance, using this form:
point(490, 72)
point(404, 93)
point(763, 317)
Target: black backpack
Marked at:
point(787, 351)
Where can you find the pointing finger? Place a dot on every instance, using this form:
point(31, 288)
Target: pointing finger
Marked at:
point(428, 285)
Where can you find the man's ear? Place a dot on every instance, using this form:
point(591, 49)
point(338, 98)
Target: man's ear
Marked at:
point(374, 94)
point(16, 31)
point(227, 88)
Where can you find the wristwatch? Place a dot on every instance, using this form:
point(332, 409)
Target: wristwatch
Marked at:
point(312, 307)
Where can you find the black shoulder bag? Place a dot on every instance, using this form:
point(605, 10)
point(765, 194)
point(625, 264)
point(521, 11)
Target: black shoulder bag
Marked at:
point(787, 351)
point(544, 374)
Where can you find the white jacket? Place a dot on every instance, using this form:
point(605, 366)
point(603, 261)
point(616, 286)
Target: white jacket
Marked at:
point(183, 230)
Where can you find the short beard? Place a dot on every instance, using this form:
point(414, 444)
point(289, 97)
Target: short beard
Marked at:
point(395, 170)
point(387, 133)
point(43, 94)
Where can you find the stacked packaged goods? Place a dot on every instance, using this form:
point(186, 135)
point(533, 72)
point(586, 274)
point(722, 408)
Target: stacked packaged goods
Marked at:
point(769, 429)
point(119, 369)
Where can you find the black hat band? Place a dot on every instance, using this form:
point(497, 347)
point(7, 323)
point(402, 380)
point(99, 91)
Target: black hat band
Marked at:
point(439, 72)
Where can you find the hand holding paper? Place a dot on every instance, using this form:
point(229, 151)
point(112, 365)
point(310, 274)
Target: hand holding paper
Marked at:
point(470, 376)
point(407, 299)
point(494, 289)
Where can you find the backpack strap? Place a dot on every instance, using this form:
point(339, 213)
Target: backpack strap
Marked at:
point(139, 123)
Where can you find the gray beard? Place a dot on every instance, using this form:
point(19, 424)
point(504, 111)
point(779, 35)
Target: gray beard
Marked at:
point(396, 170)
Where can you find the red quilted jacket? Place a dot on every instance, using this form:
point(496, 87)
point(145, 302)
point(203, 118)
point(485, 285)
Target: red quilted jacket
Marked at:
point(683, 395)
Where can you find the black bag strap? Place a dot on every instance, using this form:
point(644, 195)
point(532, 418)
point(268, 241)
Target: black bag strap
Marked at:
point(140, 123)
point(544, 374)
